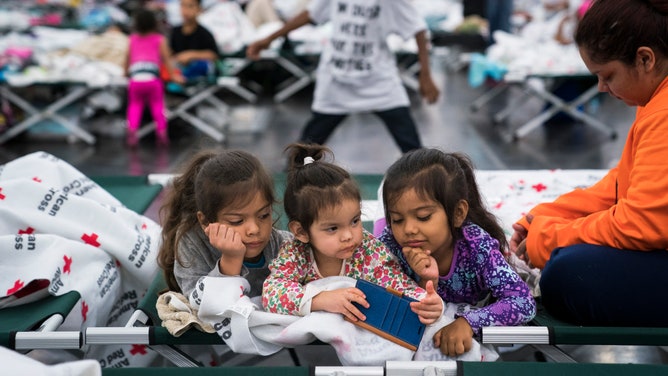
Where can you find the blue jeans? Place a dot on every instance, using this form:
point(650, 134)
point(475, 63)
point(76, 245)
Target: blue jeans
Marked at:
point(602, 286)
point(397, 120)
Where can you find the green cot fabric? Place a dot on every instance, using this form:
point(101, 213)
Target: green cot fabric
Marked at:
point(147, 304)
point(563, 333)
point(557, 369)
point(133, 191)
point(27, 317)
point(158, 335)
point(227, 371)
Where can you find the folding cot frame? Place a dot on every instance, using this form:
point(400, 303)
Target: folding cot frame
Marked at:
point(78, 90)
point(413, 368)
point(571, 107)
point(202, 94)
point(302, 75)
point(33, 325)
point(543, 334)
point(144, 328)
point(546, 333)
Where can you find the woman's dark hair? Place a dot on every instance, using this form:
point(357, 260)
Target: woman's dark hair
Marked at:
point(315, 185)
point(209, 182)
point(445, 178)
point(145, 21)
point(614, 29)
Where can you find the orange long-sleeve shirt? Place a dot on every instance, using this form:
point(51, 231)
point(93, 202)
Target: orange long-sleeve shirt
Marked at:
point(626, 209)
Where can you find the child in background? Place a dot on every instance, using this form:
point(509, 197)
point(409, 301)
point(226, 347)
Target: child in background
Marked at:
point(194, 47)
point(147, 51)
point(442, 233)
point(217, 221)
point(357, 71)
point(323, 205)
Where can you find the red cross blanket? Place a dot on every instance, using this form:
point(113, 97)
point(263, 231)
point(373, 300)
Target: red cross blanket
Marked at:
point(60, 231)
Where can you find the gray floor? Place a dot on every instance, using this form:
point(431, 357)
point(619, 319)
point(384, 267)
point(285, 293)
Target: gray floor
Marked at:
point(363, 146)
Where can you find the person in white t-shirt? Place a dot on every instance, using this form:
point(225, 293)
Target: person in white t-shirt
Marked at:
point(357, 71)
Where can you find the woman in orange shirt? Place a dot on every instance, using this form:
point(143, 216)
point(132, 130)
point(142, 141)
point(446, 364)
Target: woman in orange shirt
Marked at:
point(603, 249)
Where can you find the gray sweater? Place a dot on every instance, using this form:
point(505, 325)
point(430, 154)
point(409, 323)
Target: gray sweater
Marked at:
point(200, 259)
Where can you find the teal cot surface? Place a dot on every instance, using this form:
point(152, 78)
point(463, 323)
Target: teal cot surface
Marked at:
point(462, 369)
point(159, 334)
point(557, 369)
point(133, 191)
point(563, 333)
point(213, 371)
point(29, 317)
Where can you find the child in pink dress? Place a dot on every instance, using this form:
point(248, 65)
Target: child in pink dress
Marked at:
point(147, 51)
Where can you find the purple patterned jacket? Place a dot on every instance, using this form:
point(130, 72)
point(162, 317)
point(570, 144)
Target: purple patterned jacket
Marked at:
point(478, 272)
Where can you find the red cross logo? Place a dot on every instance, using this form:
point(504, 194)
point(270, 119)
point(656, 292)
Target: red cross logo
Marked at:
point(138, 349)
point(37, 179)
point(18, 284)
point(144, 226)
point(2, 197)
point(68, 264)
point(84, 310)
point(90, 239)
point(498, 206)
point(539, 187)
point(28, 231)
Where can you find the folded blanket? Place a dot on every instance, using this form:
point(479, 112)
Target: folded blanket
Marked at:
point(246, 328)
point(178, 316)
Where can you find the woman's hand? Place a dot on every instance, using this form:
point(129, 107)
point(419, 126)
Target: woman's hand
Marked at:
point(422, 263)
point(428, 309)
point(455, 338)
point(522, 253)
point(519, 239)
point(341, 301)
point(518, 236)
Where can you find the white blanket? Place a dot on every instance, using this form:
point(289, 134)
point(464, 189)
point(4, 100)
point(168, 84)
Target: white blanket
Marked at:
point(246, 328)
point(18, 364)
point(59, 227)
